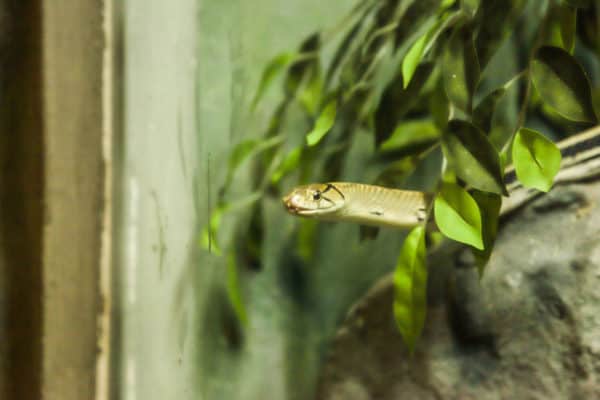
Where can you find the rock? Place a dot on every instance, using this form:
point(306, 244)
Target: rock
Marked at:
point(530, 329)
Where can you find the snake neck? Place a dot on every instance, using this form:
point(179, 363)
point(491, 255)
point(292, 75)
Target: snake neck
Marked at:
point(375, 205)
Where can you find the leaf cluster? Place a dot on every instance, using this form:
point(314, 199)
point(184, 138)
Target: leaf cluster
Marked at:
point(424, 76)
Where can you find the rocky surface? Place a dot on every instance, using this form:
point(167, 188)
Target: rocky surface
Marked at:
point(530, 329)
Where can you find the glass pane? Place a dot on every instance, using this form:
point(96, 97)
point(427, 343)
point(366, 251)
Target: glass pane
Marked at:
point(191, 71)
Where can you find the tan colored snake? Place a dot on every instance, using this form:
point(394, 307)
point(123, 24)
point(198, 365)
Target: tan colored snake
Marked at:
point(380, 206)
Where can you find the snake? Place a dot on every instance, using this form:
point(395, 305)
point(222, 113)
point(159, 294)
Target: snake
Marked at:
point(380, 206)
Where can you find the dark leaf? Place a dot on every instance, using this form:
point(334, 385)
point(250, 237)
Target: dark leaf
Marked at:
point(579, 3)
point(342, 50)
point(368, 232)
point(496, 21)
point(568, 26)
point(489, 207)
point(413, 18)
point(396, 101)
point(460, 69)
point(588, 27)
point(484, 111)
point(472, 157)
point(439, 106)
point(562, 84)
point(305, 66)
point(396, 173)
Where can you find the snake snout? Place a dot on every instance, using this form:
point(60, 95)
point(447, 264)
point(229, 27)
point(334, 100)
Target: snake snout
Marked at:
point(289, 204)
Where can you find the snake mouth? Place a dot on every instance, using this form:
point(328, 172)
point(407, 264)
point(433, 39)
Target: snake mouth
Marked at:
point(290, 206)
point(293, 208)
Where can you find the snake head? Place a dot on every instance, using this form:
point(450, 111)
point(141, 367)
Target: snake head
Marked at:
point(319, 199)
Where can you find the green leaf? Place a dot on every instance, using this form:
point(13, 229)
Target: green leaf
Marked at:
point(470, 6)
point(412, 59)
point(310, 93)
point(568, 25)
point(579, 3)
point(536, 159)
point(305, 243)
point(439, 106)
point(209, 234)
point(484, 112)
point(411, 137)
point(289, 163)
point(350, 42)
point(495, 22)
point(489, 207)
point(562, 84)
point(233, 290)
point(274, 67)
point(323, 124)
point(446, 4)
point(588, 31)
point(208, 237)
point(410, 288)
point(395, 173)
point(457, 215)
point(471, 155)
point(396, 101)
point(304, 66)
point(246, 149)
point(460, 69)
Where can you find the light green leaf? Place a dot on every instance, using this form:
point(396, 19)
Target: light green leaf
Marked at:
point(469, 6)
point(411, 136)
point(536, 159)
point(412, 60)
point(489, 207)
point(274, 67)
point(457, 215)
point(410, 288)
point(246, 149)
point(460, 69)
point(289, 163)
point(471, 155)
point(209, 234)
point(323, 124)
point(233, 290)
point(446, 4)
point(310, 93)
point(208, 237)
point(562, 84)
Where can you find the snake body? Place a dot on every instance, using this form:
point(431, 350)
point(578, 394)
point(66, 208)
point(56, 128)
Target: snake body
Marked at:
point(360, 203)
point(381, 206)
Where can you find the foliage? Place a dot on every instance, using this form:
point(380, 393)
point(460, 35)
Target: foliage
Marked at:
point(410, 283)
point(418, 75)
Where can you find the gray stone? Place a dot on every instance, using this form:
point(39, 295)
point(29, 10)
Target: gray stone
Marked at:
point(530, 329)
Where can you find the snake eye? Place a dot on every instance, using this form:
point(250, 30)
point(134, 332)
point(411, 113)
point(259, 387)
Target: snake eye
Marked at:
point(316, 195)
